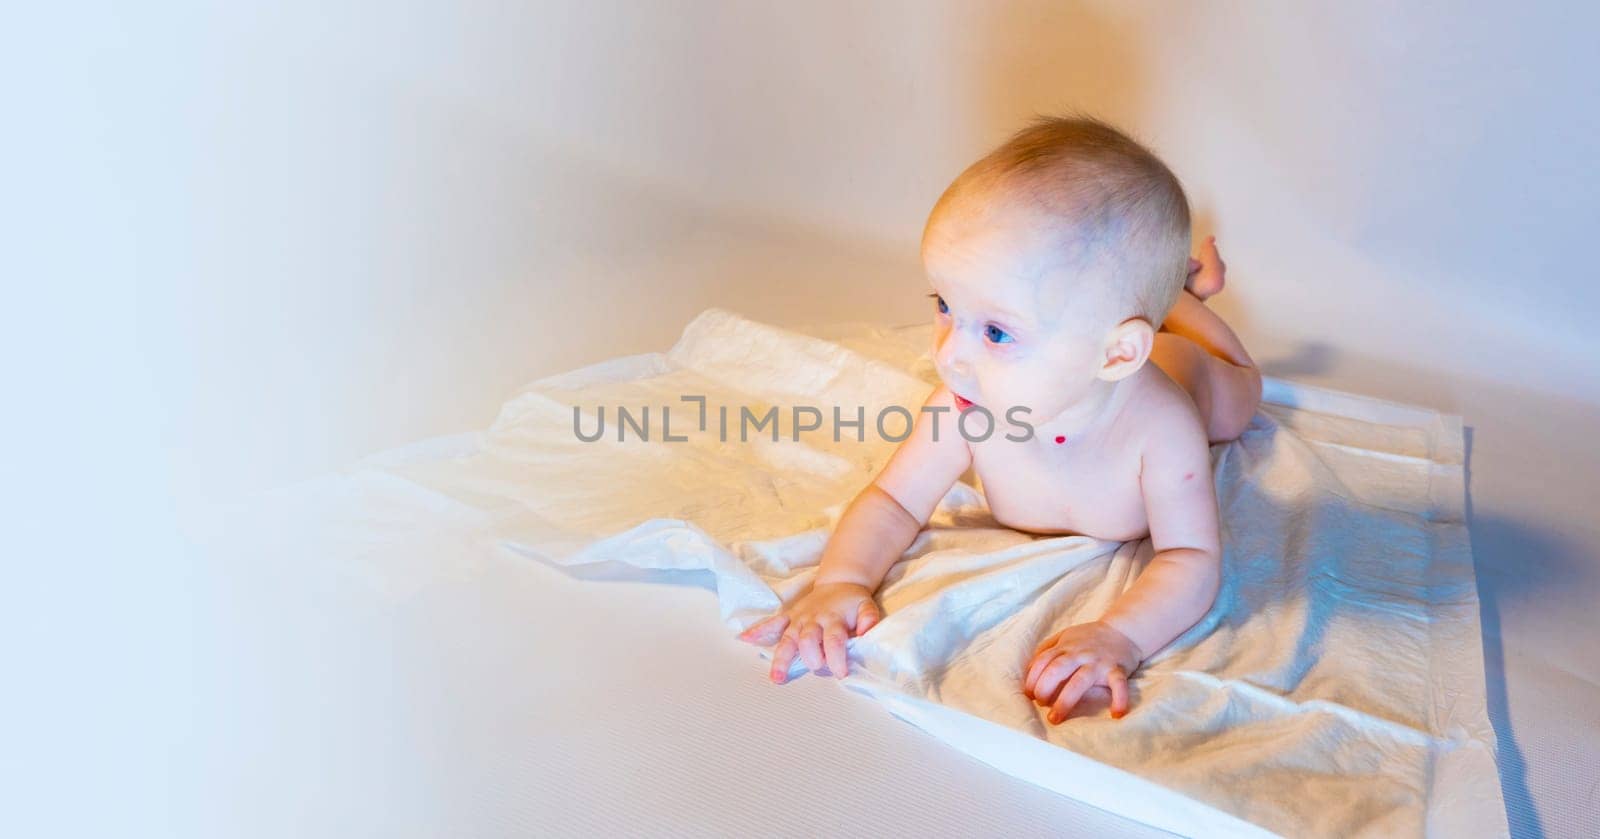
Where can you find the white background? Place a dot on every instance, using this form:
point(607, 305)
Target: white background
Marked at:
point(250, 242)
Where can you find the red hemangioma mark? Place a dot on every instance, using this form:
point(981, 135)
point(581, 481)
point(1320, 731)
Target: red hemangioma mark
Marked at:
point(1060, 439)
point(1188, 476)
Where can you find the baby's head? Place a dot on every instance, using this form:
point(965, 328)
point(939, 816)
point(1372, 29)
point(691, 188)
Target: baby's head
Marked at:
point(1054, 260)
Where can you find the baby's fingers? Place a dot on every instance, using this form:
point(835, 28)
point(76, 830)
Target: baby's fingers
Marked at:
point(767, 632)
point(1118, 682)
point(782, 656)
point(1040, 662)
point(1079, 683)
point(1048, 642)
point(833, 648)
point(811, 646)
point(867, 616)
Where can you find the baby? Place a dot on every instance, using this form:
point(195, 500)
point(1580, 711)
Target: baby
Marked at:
point(1060, 266)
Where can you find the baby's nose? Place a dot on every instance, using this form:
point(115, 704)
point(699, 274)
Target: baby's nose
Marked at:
point(949, 356)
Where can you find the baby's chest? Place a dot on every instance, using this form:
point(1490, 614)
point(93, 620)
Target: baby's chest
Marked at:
point(1085, 489)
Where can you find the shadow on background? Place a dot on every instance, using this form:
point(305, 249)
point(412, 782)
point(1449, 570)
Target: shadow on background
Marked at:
point(1309, 358)
point(1526, 522)
point(1496, 538)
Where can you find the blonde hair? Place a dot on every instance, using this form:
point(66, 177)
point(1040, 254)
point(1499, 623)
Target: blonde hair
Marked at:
point(1111, 203)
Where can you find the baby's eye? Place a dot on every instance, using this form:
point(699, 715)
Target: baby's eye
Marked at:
point(997, 335)
point(943, 309)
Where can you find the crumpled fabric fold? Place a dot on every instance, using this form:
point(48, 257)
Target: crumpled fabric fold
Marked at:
point(1336, 687)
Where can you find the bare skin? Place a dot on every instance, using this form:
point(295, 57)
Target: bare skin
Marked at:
point(1120, 451)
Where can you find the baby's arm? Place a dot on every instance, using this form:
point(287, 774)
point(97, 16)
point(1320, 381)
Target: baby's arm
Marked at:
point(873, 532)
point(888, 514)
point(1173, 592)
point(1182, 579)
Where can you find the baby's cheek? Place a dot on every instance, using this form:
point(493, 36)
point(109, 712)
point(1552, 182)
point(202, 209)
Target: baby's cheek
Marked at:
point(1033, 394)
point(1009, 397)
point(1002, 394)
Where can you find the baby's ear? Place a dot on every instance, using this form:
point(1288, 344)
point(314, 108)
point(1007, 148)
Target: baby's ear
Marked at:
point(1128, 347)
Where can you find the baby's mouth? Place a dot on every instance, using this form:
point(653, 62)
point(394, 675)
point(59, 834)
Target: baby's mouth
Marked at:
point(962, 403)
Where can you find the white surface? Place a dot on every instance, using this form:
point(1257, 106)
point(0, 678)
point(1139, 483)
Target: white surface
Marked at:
point(400, 557)
point(253, 241)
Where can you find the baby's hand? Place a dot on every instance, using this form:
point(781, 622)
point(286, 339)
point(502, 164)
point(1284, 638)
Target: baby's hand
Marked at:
point(818, 625)
point(1082, 656)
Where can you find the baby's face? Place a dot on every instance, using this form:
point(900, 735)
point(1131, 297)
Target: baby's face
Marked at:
point(1013, 325)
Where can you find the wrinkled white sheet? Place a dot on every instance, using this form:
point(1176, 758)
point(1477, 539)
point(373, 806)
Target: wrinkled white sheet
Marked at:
point(1335, 689)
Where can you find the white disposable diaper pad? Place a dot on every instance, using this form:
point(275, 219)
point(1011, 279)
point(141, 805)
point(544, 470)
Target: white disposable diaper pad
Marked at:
point(1336, 688)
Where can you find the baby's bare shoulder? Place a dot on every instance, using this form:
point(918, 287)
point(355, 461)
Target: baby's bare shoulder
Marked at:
point(1164, 416)
point(1174, 471)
